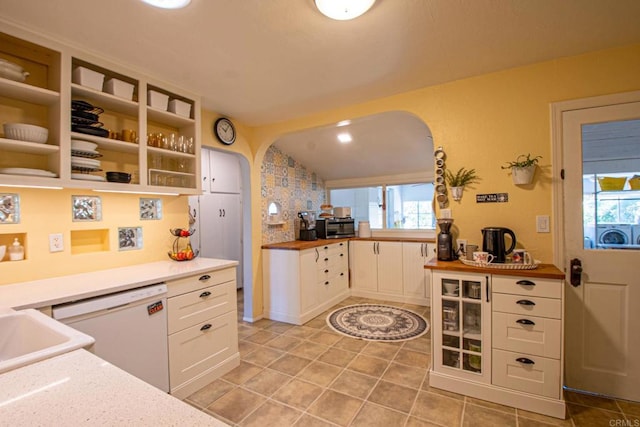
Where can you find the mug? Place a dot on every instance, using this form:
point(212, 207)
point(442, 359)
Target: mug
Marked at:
point(521, 256)
point(128, 135)
point(482, 257)
point(470, 250)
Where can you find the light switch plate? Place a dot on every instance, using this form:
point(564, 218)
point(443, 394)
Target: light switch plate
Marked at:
point(542, 224)
point(55, 242)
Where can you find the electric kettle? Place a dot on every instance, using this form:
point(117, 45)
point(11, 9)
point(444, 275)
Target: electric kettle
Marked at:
point(493, 242)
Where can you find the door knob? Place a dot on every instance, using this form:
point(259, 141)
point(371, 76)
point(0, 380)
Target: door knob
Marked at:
point(575, 276)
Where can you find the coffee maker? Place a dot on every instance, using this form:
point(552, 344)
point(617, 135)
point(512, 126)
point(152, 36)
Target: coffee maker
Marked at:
point(446, 251)
point(307, 225)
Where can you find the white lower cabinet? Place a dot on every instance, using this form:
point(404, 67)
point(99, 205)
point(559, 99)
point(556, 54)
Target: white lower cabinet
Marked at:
point(300, 284)
point(391, 270)
point(203, 330)
point(498, 337)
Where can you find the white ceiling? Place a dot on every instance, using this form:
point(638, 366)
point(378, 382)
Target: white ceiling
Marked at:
point(264, 61)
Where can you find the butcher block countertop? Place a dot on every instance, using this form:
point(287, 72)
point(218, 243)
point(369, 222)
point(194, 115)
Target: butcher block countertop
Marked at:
point(543, 271)
point(300, 245)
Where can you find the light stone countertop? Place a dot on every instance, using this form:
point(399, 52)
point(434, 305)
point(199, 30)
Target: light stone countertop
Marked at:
point(79, 388)
point(57, 290)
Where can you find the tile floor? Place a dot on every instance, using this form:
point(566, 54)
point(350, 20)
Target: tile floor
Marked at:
point(311, 376)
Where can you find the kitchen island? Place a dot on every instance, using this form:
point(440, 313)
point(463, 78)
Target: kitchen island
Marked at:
point(78, 388)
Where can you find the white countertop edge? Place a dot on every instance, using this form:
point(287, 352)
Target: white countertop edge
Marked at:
point(58, 290)
point(79, 388)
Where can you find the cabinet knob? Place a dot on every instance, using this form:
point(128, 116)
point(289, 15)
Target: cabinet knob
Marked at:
point(525, 283)
point(326, 283)
point(525, 302)
point(205, 294)
point(205, 277)
point(525, 360)
point(526, 322)
point(205, 327)
point(326, 247)
point(326, 259)
point(326, 271)
point(341, 254)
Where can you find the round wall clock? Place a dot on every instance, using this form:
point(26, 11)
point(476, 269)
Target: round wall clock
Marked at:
point(224, 130)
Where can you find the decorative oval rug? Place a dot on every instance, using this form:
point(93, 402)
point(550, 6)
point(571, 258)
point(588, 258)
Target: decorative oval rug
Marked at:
point(375, 322)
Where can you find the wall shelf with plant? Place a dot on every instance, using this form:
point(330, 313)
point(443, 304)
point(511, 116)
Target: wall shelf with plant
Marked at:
point(457, 181)
point(523, 168)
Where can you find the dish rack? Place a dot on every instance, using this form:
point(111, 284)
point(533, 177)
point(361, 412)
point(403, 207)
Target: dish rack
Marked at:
point(504, 266)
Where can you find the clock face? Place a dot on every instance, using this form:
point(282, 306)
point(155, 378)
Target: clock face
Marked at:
point(224, 130)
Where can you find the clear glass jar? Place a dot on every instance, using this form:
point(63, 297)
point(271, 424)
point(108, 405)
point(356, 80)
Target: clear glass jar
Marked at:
point(16, 251)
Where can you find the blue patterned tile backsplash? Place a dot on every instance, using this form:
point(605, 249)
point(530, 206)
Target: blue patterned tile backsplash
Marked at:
point(293, 187)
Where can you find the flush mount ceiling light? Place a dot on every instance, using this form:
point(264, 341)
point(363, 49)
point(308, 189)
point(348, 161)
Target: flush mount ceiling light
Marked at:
point(168, 4)
point(344, 137)
point(343, 10)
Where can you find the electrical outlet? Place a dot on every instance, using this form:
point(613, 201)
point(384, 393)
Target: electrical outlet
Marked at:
point(542, 224)
point(55, 242)
point(445, 213)
point(462, 245)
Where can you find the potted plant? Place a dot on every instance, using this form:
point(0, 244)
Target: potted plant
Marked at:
point(458, 180)
point(523, 168)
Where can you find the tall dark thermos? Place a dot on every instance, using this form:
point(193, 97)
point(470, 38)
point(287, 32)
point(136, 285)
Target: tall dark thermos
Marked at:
point(445, 240)
point(493, 242)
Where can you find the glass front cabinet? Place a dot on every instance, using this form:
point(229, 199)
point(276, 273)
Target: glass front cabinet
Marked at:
point(462, 325)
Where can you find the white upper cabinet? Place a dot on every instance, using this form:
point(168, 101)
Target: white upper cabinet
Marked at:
point(223, 175)
point(141, 127)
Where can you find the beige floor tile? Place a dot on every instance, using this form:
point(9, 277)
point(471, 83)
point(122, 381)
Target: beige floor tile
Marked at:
point(284, 343)
point(207, 394)
point(299, 394)
point(354, 384)
point(417, 422)
point(310, 421)
point(585, 416)
point(290, 364)
point(438, 409)
point(421, 344)
point(309, 350)
point(335, 407)
point(528, 417)
point(301, 332)
point(263, 356)
point(236, 404)
point(368, 365)
point(261, 337)
point(351, 344)
point(337, 357)
point(278, 328)
point(404, 375)
point(382, 350)
point(263, 323)
point(245, 331)
point(529, 422)
point(246, 347)
point(393, 396)
point(478, 416)
point(376, 416)
point(272, 414)
point(629, 408)
point(317, 323)
point(593, 401)
point(324, 338)
point(242, 373)
point(413, 358)
point(266, 382)
point(319, 373)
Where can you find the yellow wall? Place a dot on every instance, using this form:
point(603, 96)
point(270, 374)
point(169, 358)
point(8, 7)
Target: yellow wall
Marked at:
point(49, 211)
point(483, 122)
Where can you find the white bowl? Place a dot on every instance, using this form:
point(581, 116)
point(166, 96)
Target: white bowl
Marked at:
point(24, 132)
point(81, 145)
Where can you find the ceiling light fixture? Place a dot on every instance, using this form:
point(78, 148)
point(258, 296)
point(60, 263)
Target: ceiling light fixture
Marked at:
point(343, 10)
point(344, 137)
point(344, 123)
point(168, 4)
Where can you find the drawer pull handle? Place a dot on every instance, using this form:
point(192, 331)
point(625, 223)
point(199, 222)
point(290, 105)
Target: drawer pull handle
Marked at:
point(205, 327)
point(341, 244)
point(525, 322)
point(525, 360)
point(205, 277)
point(525, 283)
point(205, 294)
point(326, 283)
point(326, 271)
point(525, 302)
point(326, 247)
point(326, 259)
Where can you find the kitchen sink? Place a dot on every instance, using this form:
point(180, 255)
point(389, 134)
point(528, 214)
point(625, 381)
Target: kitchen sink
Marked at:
point(28, 336)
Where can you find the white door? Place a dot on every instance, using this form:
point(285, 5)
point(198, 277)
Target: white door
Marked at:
point(602, 343)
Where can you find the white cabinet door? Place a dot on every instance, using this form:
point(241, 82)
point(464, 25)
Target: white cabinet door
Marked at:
point(363, 265)
point(225, 172)
point(414, 256)
point(308, 280)
point(205, 170)
point(389, 267)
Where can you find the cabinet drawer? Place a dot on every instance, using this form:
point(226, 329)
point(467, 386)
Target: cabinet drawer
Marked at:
point(331, 274)
point(541, 376)
point(527, 305)
point(200, 281)
point(547, 288)
point(195, 307)
point(332, 249)
point(527, 334)
point(194, 350)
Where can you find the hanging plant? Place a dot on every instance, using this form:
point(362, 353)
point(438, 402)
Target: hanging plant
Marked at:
point(523, 168)
point(458, 180)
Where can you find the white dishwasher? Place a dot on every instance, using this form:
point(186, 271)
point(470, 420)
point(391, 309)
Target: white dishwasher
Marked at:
point(130, 329)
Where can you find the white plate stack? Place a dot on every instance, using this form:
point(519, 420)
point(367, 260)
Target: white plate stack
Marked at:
point(83, 160)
